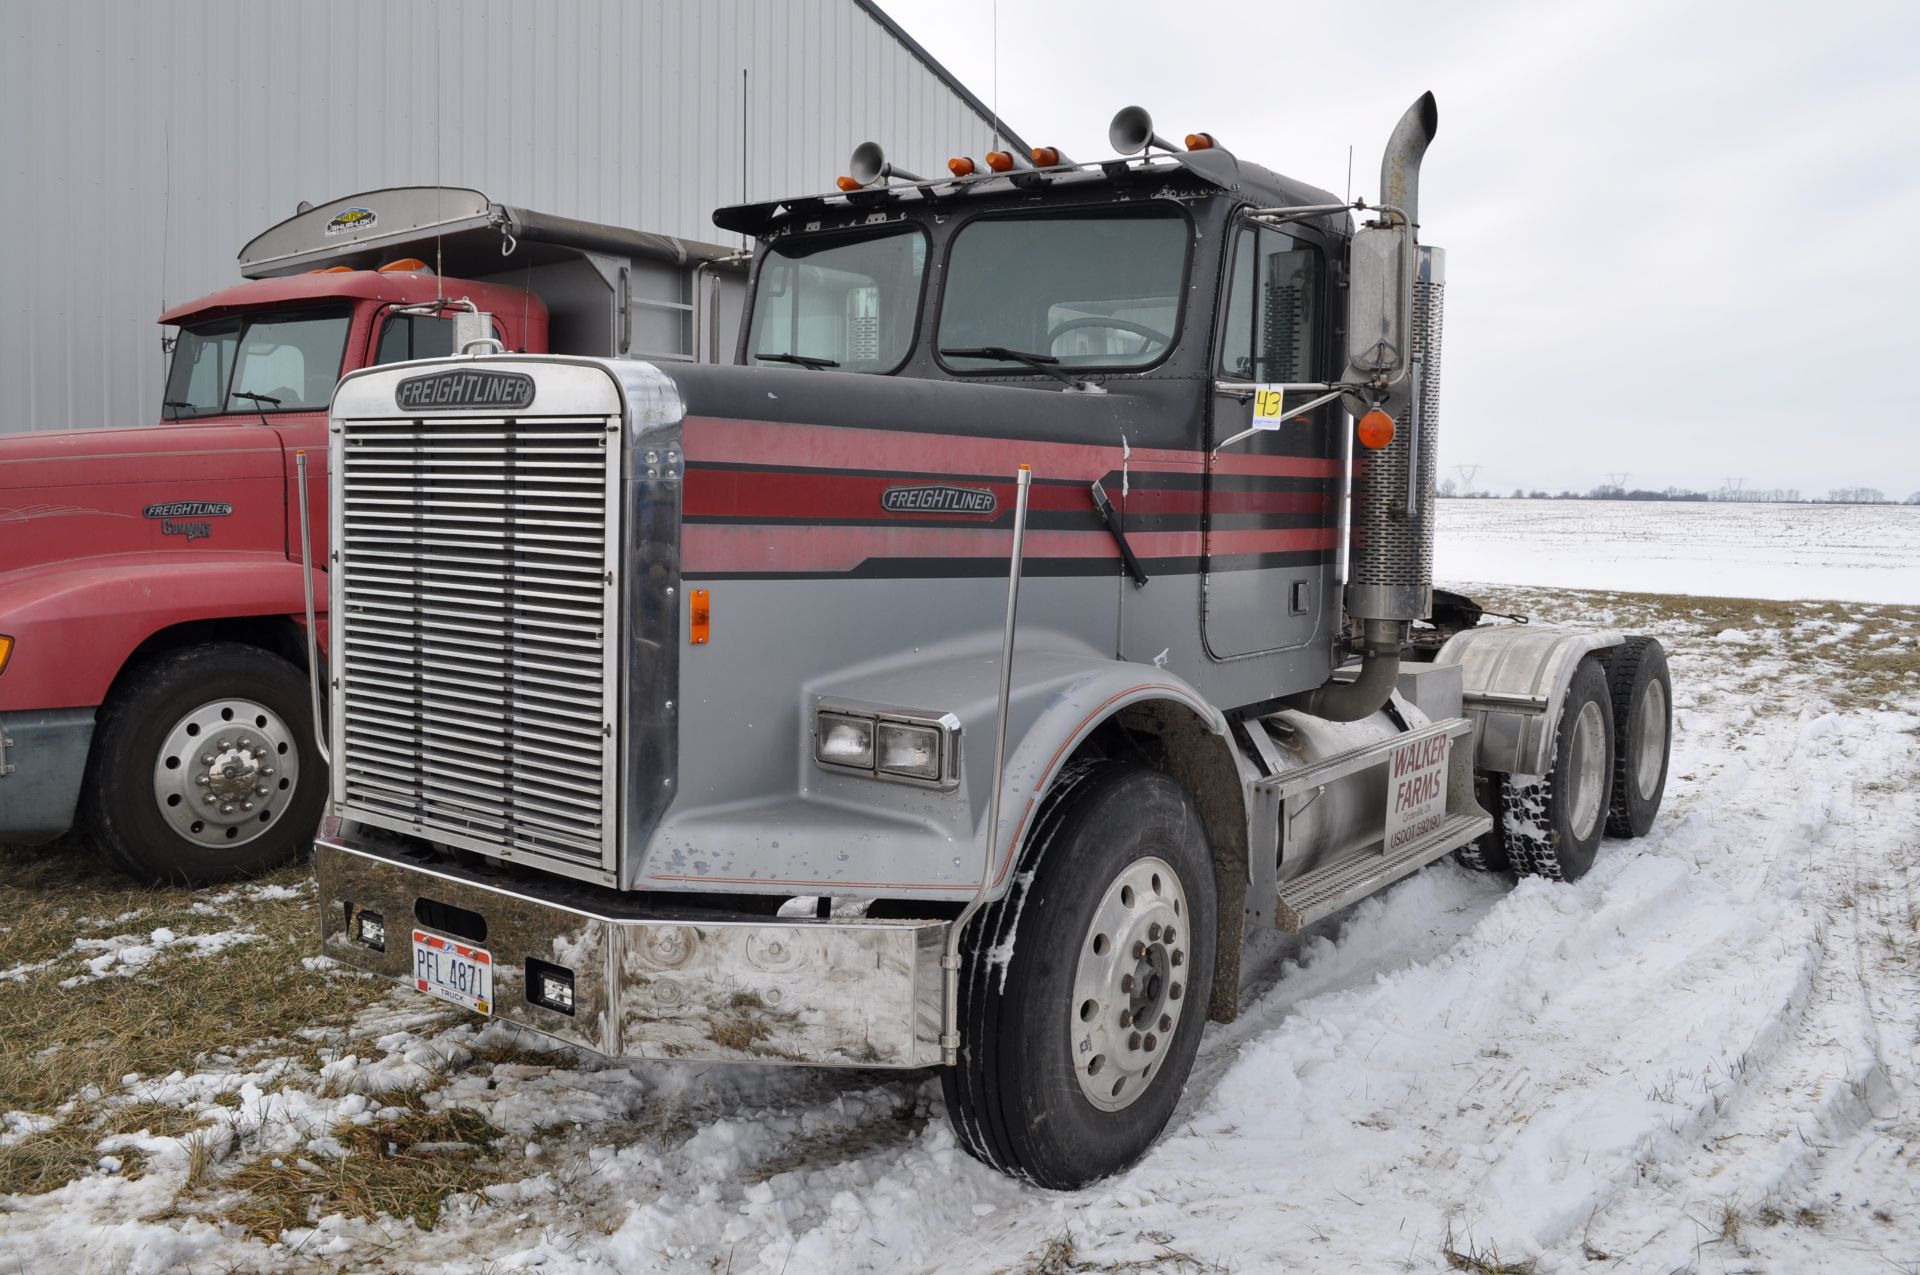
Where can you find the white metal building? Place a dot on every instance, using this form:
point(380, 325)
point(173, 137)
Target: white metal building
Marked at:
point(145, 143)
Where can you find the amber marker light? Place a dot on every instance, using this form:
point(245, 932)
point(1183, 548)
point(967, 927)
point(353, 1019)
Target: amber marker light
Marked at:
point(1046, 156)
point(1000, 161)
point(1375, 430)
point(960, 166)
point(405, 263)
point(847, 184)
point(699, 617)
point(6, 651)
point(1200, 142)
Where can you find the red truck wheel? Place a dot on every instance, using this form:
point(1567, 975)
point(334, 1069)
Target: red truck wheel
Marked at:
point(203, 767)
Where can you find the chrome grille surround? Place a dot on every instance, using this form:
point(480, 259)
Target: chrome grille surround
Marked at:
point(475, 603)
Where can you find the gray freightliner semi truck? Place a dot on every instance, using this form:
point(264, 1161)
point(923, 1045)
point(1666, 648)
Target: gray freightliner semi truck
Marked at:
point(1041, 606)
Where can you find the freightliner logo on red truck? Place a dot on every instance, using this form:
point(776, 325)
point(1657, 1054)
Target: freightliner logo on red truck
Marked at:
point(461, 387)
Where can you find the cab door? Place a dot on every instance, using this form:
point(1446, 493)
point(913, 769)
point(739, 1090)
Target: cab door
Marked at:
point(1272, 499)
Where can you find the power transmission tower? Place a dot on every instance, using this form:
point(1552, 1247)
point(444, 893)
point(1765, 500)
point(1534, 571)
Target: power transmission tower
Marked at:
point(1618, 479)
point(1466, 473)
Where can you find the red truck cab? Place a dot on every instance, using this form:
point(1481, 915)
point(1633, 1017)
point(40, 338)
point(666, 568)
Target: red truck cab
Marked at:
point(151, 582)
point(153, 654)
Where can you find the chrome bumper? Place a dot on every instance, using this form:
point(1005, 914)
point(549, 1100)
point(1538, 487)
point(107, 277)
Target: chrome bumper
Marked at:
point(844, 993)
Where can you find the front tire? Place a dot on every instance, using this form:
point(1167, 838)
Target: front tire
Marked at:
point(1085, 988)
point(1553, 822)
point(203, 767)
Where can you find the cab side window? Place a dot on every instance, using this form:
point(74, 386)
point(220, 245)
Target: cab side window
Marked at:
point(1272, 329)
point(414, 336)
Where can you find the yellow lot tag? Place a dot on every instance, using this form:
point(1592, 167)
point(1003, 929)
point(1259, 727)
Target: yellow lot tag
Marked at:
point(1267, 413)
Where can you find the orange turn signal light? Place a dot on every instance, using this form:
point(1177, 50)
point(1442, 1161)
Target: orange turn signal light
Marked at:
point(960, 166)
point(6, 651)
point(1375, 429)
point(1000, 161)
point(847, 184)
point(405, 263)
point(699, 617)
point(332, 270)
point(1046, 156)
point(1200, 142)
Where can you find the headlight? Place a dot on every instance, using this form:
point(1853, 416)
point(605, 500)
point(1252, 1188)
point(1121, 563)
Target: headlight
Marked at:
point(840, 740)
point(912, 751)
point(904, 745)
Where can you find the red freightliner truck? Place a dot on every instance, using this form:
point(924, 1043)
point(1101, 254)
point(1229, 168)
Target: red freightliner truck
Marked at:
point(152, 649)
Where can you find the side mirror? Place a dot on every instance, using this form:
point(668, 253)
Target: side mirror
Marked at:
point(1380, 303)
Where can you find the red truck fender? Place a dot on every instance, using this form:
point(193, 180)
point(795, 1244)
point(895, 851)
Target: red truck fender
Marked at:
point(75, 624)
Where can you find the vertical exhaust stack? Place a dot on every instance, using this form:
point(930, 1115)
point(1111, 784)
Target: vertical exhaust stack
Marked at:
point(1397, 344)
point(1391, 573)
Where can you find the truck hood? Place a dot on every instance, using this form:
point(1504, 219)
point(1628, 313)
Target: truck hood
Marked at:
point(75, 495)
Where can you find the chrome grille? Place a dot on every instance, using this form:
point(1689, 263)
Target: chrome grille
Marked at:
point(476, 608)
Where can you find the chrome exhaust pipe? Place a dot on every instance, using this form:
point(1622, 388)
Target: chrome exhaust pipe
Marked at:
point(1400, 165)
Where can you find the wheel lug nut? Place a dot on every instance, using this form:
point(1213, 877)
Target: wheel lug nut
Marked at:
point(1178, 958)
point(1167, 936)
point(200, 780)
point(224, 745)
point(226, 809)
point(1126, 1018)
point(1153, 932)
point(1139, 950)
point(248, 805)
point(208, 799)
point(267, 771)
point(1133, 1041)
point(1153, 1042)
point(206, 759)
point(1126, 983)
point(1175, 992)
point(1166, 1022)
point(260, 790)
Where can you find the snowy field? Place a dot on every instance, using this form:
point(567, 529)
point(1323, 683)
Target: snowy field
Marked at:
point(1864, 553)
point(1704, 1057)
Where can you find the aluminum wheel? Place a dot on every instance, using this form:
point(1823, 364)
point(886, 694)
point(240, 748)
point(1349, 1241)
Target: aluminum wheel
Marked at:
point(1127, 990)
point(226, 772)
point(1587, 769)
point(1650, 763)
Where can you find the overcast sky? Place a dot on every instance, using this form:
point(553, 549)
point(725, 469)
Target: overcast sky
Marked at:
point(1680, 237)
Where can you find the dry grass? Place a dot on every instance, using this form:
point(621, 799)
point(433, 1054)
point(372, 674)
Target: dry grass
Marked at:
point(1480, 1261)
point(61, 1046)
point(406, 1167)
point(1059, 1257)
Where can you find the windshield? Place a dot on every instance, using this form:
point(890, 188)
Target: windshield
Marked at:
point(847, 304)
point(1085, 290)
point(288, 362)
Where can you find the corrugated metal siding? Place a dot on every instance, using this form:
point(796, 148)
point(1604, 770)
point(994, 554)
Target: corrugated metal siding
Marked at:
point(147, 142)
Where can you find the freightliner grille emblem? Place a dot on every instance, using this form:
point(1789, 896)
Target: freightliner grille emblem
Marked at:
point(938, 500)
point(462, 387)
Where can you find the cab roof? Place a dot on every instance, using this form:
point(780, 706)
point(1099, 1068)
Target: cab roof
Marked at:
point(400, 287)
point(1219, 168)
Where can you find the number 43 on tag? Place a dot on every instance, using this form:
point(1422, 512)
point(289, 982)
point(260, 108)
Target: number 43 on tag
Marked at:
point(1267, 412)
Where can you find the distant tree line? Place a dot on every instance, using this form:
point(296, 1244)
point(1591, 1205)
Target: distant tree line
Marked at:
point(1756, 495)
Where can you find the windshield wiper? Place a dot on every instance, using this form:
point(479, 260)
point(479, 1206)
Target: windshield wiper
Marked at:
point(1038, 362)
point(257, 399)
point(177, 405)
point(812, 362)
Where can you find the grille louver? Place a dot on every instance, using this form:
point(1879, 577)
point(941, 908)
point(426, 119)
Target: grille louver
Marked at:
point(476, 607)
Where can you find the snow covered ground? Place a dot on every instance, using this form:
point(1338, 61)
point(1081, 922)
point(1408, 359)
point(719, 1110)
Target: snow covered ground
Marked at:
point(1867, 553)
point(1704, 1057)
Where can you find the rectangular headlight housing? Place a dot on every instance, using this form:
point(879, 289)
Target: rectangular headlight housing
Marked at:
point(902, 745)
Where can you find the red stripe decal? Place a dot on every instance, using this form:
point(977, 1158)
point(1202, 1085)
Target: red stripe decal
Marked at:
point(749, 548)
point(713, 440)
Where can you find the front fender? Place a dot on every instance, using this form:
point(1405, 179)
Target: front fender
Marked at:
point(1514, 682)
point(74, 624)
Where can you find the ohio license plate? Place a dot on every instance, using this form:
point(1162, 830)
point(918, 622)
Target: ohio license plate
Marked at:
point(453, 971)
